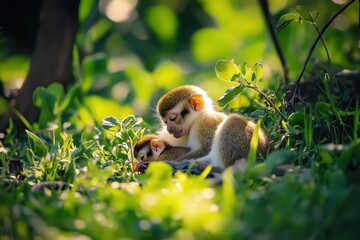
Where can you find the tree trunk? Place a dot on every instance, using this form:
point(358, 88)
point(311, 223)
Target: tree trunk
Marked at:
point(52, 58)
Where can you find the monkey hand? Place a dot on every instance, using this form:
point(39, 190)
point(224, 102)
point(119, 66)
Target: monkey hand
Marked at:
point(184, 165)
point(141, 167)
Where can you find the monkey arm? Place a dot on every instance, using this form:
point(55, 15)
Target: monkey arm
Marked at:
point(194, 155)
point(201, 136)
point(193, 167)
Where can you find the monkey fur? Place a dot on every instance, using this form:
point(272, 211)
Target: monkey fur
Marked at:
point(152, 148)
point(190, 120)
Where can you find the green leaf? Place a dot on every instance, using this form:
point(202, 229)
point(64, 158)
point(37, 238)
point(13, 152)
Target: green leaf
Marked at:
point(229, 95)
point(323, 108)
point(93, 67)
point(228, 200)
point(227, 70)
point(165, 17)
point(278, 157)
point(253, 146)
point(111, 124)
point(85, 8)
point(29, 156)
point(65, 102)
point(325, 156)
point(42, 96)
point(258, 70)
point(285, 20)
point(212, 44)
point(46, 102)
point(249, 76)
point(350, 152)
point(298, 119)
point(56, 90)
point(305, 14)
point(315, 15)
point(70, 171)
point(206, 172)
point(37, 146)
point(244, 68)
point(257, 171)
point(257, 114)
point(131, 121)
point(158, 173)
point(49, 100)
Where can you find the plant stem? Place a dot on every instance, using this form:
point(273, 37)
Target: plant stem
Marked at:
point(332, 73)
point(265, 9)
point(327, 24)
point(325, 47)
point(131, 153)
point(268, 100)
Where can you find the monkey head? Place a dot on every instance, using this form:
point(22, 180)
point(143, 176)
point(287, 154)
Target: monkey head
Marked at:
point(148, 148)
point(181, 106)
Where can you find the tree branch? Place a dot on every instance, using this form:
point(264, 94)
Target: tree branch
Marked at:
point(265, 9)
point(327, 24)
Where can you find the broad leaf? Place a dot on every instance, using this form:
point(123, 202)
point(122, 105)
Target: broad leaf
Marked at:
point(249, 76)
point(257, 171)
point(285, 20)
point(257, 114)
point(298, 119)
point(305, 14)
point(244, 68)
point(227, 70)
point(130, 121)
point(37, 146)
point(46, 101)
point(278, 157)
point(229, 95)
point(57, 90)
point(111, 124)
point(67, 99)
point(258, 70)
point(323, 108)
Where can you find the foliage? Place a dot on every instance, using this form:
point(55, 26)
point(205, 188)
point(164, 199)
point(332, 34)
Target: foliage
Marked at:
point(71, 175)
point(245, 76)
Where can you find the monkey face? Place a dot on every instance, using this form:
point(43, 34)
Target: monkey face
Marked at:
point(176, 121)
point(179, 119)
point(148, 148)
point(174, 124)
point(141, 155)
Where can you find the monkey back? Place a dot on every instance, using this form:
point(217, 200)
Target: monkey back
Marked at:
point(174, 96)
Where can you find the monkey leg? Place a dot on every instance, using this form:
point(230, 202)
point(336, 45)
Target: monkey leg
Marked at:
point(234, 139)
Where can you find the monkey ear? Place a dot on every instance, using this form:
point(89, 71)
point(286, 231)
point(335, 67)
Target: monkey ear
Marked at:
point(197, 102)
point(157, 145)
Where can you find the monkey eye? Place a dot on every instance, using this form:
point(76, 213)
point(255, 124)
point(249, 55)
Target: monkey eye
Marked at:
point(141, 156)
point(172, 118)
point(184, 112)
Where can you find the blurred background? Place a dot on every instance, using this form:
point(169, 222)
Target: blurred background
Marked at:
point(129, 52)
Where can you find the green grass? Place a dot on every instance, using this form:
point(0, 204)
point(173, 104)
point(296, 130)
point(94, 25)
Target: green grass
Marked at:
point(70, 175)
point(318, 198)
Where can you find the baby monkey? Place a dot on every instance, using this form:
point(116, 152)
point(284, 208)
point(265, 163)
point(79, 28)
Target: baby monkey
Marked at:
point(152, 148)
